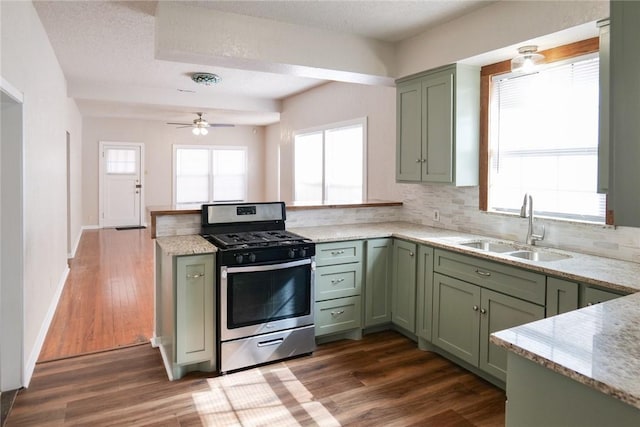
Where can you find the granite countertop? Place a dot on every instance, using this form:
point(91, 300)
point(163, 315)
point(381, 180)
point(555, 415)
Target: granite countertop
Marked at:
point(598, 346)
point(192, 244)
point(609, 273)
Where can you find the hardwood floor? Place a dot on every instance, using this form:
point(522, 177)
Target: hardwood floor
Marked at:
point(107, 301)
point(382, 380)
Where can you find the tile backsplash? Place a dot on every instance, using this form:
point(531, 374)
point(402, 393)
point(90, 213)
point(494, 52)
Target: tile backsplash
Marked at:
point(458, 209)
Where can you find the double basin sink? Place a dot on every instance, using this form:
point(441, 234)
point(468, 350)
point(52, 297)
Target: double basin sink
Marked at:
point(515, 251)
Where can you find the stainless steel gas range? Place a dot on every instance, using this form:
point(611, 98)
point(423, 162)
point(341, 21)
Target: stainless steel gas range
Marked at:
point(265, 278)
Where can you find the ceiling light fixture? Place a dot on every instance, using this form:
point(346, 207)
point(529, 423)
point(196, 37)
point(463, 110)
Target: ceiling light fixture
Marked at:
point(200, 131)
point(527, 59)
point(207, 79)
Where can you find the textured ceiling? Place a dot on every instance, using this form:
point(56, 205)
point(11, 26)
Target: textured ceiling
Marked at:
point(107, 47)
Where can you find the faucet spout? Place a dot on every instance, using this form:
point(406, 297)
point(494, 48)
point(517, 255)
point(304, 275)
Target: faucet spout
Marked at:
point(527, 211)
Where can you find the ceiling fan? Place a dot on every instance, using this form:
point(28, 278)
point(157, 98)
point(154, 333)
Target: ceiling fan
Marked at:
point(200, 125)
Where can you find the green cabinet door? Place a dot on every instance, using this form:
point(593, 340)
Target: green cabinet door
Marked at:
point(408, 132)
point(424, 291)
point(498, 312)
point(456, 317)
point(378, 282)
point(437, 128)
point(195, 327)
point(403, 295)
point(562, 296)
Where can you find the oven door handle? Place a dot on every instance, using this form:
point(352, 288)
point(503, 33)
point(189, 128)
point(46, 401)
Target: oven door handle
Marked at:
point(254, 268)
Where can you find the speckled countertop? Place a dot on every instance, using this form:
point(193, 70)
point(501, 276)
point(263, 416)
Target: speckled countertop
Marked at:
point(598, 346)
point(185, 245)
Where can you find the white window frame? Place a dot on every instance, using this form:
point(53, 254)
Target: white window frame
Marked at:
point(358, 121)
point(211, 148)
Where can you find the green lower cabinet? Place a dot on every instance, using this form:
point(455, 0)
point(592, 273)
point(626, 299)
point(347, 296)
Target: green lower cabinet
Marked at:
point(424, 292)
point(456, 317)
point(403, 293)
point(338, 315)
point(465, 315)
point(592, 295)
point(195, 323)
point(378, 282)
point(498, 312)
point(562, 296)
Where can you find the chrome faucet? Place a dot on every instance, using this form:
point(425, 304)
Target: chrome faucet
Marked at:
point(532, 238)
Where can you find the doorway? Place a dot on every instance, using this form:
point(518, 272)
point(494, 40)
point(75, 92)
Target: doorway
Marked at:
point(11, 239)
point(121, 184)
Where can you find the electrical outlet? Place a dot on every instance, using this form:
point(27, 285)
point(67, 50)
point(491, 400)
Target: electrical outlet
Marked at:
point(436, 215)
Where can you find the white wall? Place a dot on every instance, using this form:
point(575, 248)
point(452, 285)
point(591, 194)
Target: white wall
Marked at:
point(30, 65)
point(158, 139)
point(336, 102)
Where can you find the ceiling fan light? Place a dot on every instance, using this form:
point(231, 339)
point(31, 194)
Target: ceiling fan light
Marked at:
point(203, 131)
point(527, 60)
point(207, 79)
point(196, 131)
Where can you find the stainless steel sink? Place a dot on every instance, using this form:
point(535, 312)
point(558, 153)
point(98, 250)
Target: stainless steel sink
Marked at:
point(485, 245)
point(538, 256)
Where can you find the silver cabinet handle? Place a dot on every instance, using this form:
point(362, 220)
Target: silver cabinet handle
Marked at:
point(424, 160)
point(475, 308)
point(336, 281)
point(337, 313)
point(483, 311)
point(411, 254)
point(195, 276)
point(418, 160)
point(483, 273)
point(337, 252)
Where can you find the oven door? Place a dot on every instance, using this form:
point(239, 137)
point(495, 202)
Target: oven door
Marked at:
point(266, 298)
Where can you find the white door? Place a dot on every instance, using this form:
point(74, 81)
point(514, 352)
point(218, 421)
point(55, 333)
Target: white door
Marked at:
point(121, 184)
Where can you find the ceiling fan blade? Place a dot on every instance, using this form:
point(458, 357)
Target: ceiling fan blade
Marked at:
point(182, 124)
point(221, 125)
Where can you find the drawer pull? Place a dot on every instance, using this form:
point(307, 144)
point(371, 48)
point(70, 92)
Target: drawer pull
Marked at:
point(336, 281)
point(337, 313)
point(340, 252)
point(475, 308)
point(483, 311)
point(411, 254)
point(195, 276)
point(277, 341)
point(483, 273)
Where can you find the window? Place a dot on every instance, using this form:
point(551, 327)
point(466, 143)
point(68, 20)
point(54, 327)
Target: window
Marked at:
point(121, 161)
point(329, 163)
point(543, 140)
point(209, 174)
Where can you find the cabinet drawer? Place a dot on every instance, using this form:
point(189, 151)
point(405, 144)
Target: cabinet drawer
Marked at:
point(338, 315)
point(337, 281)
point(339, 252)
point(502, 278)
point(591, 296)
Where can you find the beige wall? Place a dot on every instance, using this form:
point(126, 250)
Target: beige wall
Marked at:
point(336, 102)
point(158, 139)
point(30, 65)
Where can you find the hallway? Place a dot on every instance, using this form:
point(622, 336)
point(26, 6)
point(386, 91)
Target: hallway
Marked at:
point(107, 301)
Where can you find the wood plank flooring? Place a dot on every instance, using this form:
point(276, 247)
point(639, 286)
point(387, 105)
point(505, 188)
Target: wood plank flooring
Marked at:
point(107, 301)
point(381, 380)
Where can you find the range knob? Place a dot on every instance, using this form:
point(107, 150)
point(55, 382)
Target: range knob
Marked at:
point(239, 258)
point(303, 252)
point(252, 257)
point(292, 253)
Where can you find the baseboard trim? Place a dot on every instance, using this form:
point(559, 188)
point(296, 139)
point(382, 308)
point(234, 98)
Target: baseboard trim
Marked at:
point(35, 353)
point(91, 227)
point(74, 249)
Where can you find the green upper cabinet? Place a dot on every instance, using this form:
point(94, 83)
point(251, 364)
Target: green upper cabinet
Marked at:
point(437, 134)
point(403, 294)
point(624, 126)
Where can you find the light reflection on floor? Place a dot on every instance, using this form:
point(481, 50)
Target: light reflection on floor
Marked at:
point(266, 396)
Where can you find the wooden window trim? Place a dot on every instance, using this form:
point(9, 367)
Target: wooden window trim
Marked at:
point(486, 74)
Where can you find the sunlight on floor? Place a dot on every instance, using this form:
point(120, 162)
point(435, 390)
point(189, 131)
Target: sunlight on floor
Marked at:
point(264, 396)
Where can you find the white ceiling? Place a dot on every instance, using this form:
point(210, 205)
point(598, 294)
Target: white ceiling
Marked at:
point(107, 47)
